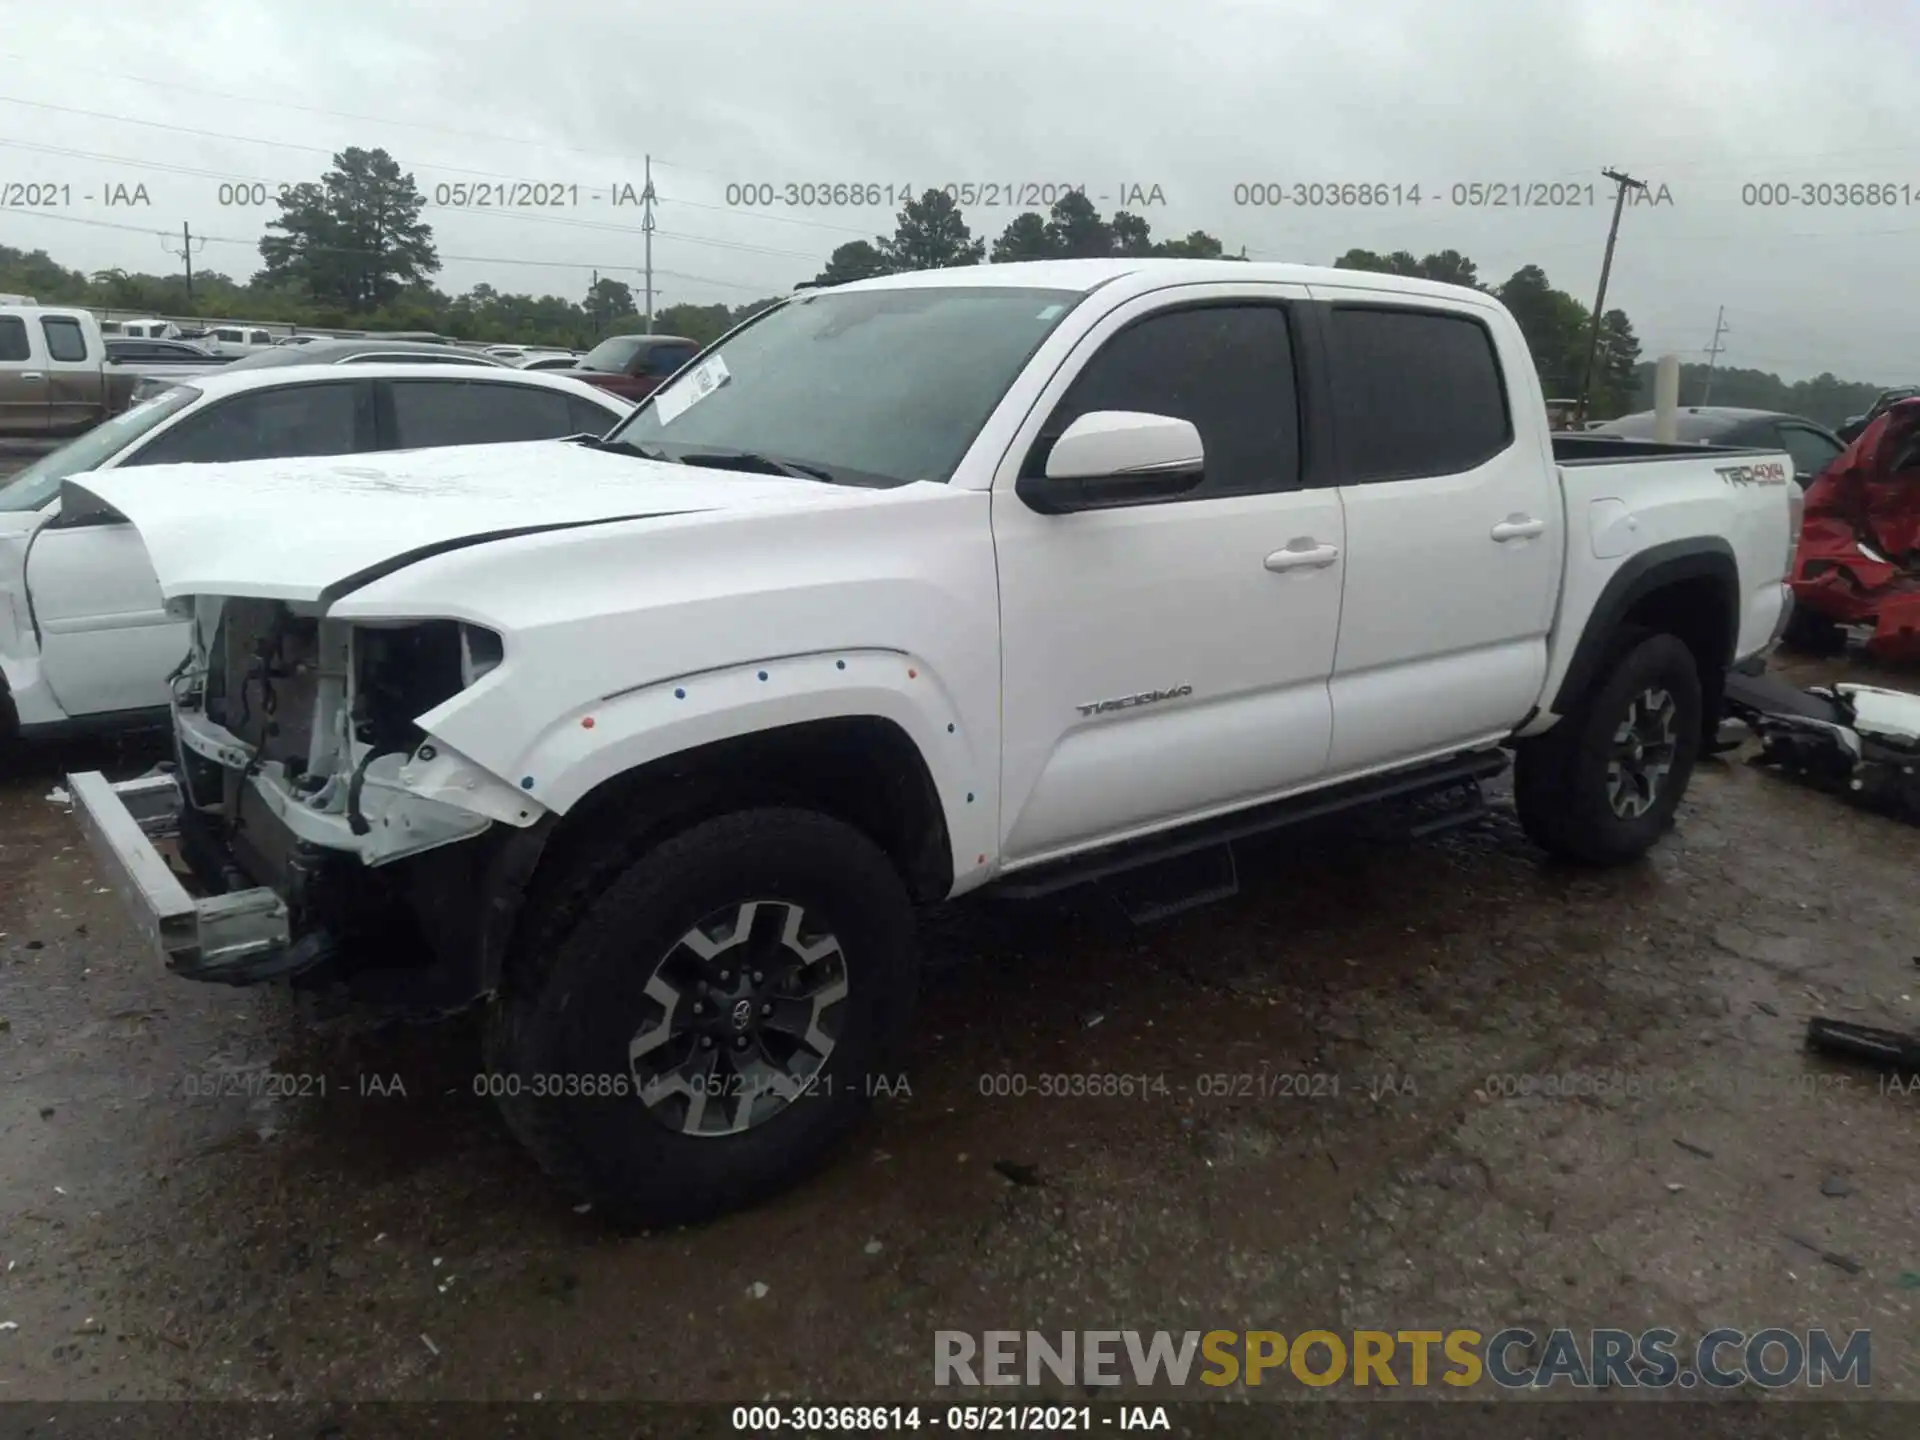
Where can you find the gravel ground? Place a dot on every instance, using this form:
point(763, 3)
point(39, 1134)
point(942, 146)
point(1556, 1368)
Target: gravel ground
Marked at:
point(170, 1232)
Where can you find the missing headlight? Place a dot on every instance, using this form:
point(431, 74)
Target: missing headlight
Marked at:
point(480, 651)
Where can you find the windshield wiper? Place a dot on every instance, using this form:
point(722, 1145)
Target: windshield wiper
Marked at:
point(622, 447)
point(748, 459)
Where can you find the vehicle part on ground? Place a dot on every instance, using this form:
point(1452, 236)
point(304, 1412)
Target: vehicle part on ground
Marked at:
point(1889, 1049)
point(1859, 739)
point(1858, 561)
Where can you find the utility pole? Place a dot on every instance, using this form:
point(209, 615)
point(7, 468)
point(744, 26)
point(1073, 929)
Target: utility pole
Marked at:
point(186, 254)
point(646, 229)
point(1713, 352)
point(1624, 182)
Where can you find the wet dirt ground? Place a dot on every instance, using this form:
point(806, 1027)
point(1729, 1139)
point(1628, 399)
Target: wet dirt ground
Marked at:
point(171, 1230)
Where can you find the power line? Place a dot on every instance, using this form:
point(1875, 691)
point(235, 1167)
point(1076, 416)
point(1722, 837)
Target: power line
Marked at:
point(763, 288)
point(493, 212)
point(186, 253)
point(1623, 182)
point(174, 85)
point(1713, 352)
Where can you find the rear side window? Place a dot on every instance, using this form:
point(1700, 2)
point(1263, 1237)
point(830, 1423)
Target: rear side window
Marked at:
point(259, 337)
point(463, 412)
point(1226, 368)
point(13, 338)
point(65, 339)
point(1415, 393)
point(332, 419)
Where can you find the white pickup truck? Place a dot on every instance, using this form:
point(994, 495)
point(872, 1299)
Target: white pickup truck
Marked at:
point(1008, 576)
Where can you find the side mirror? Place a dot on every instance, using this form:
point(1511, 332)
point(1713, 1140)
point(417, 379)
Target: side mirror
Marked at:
point(1108, 458)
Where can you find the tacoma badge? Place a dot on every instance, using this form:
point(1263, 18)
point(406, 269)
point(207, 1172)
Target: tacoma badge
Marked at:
point(1127, 702)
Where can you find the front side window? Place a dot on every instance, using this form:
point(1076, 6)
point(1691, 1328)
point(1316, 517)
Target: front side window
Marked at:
point(268, 425)
point(476, 412)
point(870, 387)
point(1226, 368)
point(39, 483)
point(587, 418)
point(1812, 452)
point(66, 341)
point(1415, 392)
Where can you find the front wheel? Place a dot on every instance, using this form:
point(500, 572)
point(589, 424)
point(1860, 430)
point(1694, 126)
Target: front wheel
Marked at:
point(713, 1020)
point(1602, 786)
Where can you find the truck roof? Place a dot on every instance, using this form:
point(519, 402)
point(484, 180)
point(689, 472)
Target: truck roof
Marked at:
point(1084, 275)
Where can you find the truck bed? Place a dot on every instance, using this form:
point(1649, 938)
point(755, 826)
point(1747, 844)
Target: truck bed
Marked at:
point(1574, 447)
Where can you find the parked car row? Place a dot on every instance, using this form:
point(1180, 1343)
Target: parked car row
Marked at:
point(86, 642)
point(63, 371)
point(57, 376)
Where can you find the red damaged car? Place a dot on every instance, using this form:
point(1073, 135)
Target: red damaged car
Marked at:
point(1859, 557)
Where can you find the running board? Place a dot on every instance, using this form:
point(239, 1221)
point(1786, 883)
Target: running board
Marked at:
point(1167, 888)
point(1456, 772)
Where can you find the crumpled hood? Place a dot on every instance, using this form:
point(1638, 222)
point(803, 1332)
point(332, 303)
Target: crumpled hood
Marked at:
point(313, 529)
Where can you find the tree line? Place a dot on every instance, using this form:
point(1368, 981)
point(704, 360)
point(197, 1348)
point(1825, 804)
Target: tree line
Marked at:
point(352, 251)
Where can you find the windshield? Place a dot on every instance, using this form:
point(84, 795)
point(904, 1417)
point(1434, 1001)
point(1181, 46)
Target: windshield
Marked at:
point(871, 387)
point(34, 486)
point(612, 355)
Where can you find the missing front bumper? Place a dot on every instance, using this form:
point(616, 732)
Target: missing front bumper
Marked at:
point(237, 938)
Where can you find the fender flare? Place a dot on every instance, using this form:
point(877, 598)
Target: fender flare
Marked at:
point(1706, 557)
point(624, 732)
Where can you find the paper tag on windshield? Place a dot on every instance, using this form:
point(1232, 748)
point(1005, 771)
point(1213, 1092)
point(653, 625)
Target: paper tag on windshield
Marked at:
point(689, 391)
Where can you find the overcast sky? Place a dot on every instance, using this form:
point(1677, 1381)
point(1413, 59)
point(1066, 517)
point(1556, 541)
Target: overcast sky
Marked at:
point(1703, 97)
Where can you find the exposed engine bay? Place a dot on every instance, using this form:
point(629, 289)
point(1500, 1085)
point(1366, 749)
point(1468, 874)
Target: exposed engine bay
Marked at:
point(303, 765)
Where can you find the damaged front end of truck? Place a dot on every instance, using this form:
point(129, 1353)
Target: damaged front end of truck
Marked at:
point(309, 824)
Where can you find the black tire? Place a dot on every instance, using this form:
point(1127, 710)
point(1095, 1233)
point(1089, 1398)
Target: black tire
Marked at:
point(574, 1004)
point(1812, 633)
point(1564, 785)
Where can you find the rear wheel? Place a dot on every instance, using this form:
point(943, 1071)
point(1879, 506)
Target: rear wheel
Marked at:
point(714, 1019)
point(1602, 786)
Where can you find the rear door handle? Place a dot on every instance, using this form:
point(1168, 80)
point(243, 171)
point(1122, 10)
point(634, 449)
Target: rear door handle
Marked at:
point(1518, 527)
point(1303, 554)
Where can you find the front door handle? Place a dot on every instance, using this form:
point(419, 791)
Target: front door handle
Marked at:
point(1303, 554)
point(1518, 527)
point(31, 375)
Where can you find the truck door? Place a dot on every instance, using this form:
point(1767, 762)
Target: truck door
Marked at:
point(1208, 620)
point(76, 398)
point(1454, 528)
point(23, 379)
